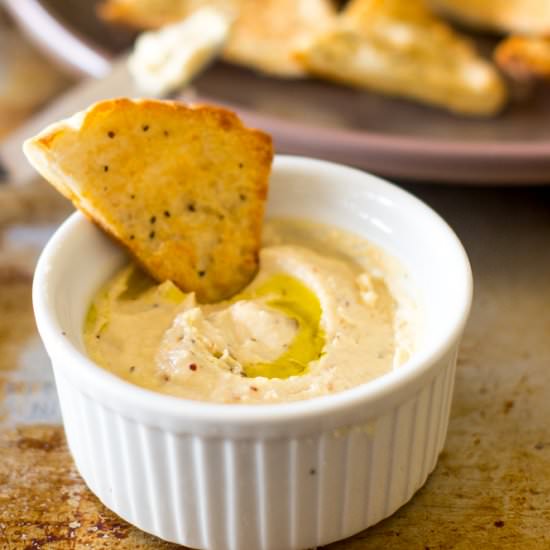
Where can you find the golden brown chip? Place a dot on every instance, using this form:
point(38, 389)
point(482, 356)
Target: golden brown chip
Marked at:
point(521, 16)
point(401, 48)
point(183, 188)
point(147, 14)
point(524, 58)
point(265, 33)
point(268, 32)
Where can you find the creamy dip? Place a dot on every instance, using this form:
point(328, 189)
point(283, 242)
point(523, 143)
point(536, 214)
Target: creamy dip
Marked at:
point(318, 318)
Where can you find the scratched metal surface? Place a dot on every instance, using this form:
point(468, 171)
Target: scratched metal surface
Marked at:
point(491, 488)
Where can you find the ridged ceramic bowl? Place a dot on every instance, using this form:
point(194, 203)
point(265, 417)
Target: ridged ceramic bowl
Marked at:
point(282, 476)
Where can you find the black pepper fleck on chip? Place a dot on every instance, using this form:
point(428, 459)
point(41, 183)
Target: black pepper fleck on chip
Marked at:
point(105, 168)
point(193, 366)
point(166, 214)
point(499, 523)
point(98, 336)
point(132, 237)
point(111, 134)
point(152, 235)
point(202, 273)
point(153, 219)
point(132, 368)
point(191, 207)
point(132, 196)
point(241, 164)
point(242, 196)
point(145, 127)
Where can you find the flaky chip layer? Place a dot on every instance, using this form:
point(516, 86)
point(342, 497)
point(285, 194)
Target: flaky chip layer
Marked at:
point(182, 188)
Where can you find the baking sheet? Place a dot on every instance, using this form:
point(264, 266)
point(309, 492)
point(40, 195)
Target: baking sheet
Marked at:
point(29, 216)
point(491, 488)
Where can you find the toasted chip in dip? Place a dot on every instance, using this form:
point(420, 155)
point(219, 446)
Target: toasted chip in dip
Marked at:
point(326, 312)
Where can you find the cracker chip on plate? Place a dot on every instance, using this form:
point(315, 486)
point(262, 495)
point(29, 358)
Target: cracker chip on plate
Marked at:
point(524, 57)
point(402, 49)
point(265, 33)
point(182, 188)
point(521, 16)
point(147, 14)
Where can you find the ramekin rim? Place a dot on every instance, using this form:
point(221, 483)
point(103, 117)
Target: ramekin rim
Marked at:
point(57, 344)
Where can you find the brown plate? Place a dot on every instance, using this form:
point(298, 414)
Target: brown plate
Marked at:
point(391, 137)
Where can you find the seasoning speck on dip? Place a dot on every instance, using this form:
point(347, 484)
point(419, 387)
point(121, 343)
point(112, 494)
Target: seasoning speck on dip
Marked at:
point(318, 318)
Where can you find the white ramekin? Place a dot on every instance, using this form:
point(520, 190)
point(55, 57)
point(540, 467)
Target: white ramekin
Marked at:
point(284, 476)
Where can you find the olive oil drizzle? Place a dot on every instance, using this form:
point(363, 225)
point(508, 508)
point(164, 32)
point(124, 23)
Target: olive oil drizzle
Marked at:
point(281, 292)
point(291, 297)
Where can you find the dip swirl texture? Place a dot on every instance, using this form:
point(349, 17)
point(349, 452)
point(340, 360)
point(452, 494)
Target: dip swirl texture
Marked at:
point(309, 324)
